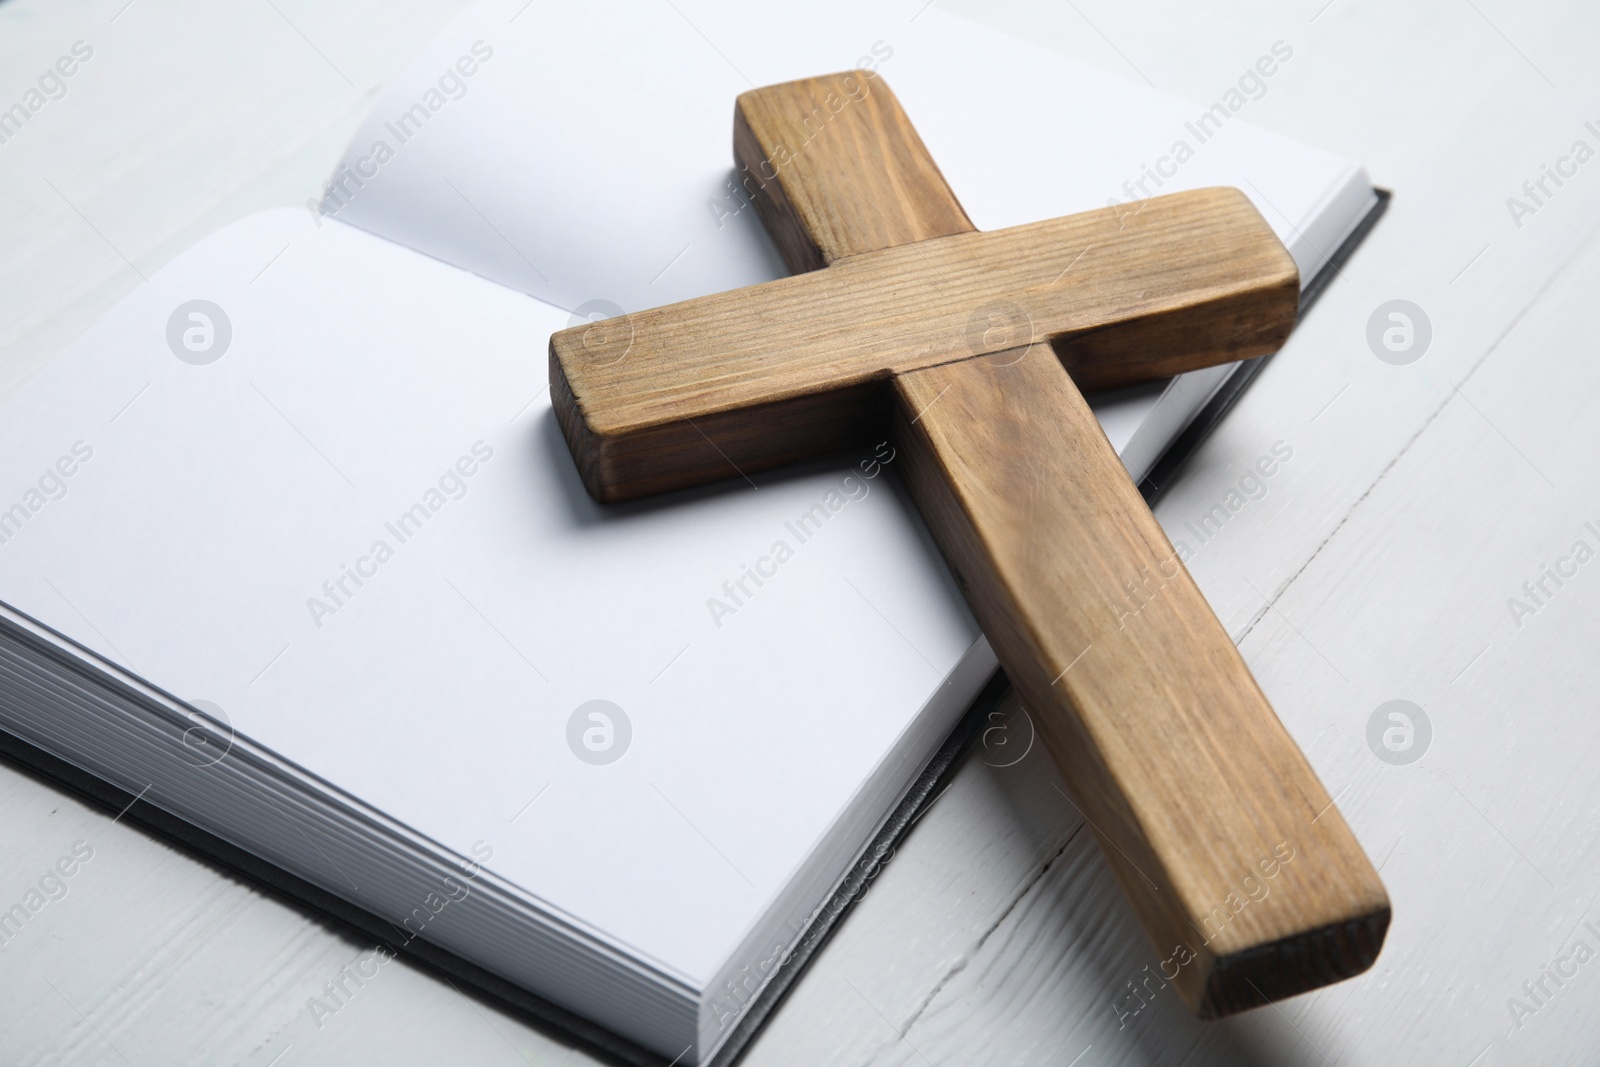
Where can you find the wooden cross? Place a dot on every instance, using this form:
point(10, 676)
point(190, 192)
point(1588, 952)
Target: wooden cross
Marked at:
point(1244, 875)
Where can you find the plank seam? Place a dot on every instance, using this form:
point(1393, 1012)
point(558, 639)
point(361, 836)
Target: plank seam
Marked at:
point(1582, 248)
point(977, 946)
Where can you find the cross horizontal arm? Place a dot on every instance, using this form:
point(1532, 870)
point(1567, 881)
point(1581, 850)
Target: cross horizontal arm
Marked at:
point(742, 381)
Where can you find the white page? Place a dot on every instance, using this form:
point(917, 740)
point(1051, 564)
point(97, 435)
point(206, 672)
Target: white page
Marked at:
point(580, 158)
point(219, 498)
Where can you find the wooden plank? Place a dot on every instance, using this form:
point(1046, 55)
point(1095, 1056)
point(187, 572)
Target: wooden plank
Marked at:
point(835, 168)
point(739, 382)
point(1216, 826)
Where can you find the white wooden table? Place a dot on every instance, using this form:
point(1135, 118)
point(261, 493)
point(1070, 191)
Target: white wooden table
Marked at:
point(1378, 566)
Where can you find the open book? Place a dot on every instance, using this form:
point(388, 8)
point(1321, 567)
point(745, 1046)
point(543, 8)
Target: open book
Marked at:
point(292, 550)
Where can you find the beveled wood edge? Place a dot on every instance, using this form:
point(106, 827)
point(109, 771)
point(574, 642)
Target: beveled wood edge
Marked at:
point(612, 460)
point(1136, 351)
point(778, 215)
point(730, 444)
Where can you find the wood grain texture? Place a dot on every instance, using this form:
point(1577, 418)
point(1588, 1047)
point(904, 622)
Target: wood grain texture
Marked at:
point(1190, 781)
point(835, 168)
point(1216, 826)
point(739, 382)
